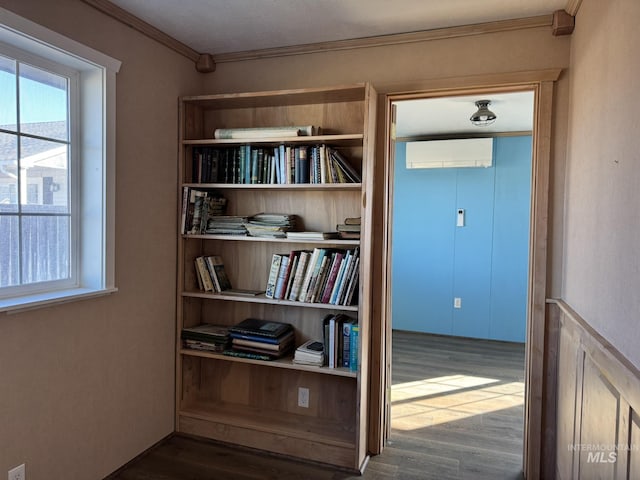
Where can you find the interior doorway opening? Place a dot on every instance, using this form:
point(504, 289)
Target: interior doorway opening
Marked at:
point(542, 84)
point(460, 247)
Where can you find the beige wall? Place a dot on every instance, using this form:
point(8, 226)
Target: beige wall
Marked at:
point(87, 386)
point(395, 68)
point(84, 387)
point(602, 262)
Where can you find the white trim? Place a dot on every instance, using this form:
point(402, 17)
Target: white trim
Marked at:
point(30, 302)
point(22, 33)
point(95, 144)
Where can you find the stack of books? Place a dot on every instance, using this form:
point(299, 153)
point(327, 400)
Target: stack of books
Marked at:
point(310, 353)
point(272, 225)
point(227, 225)
point(207, 337)
point(260, 339)
point(198, 206)
point(350, 229)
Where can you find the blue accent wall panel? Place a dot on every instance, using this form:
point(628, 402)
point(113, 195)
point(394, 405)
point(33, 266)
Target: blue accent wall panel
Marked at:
point(510, 262)
point(422, 249)
point(485, 263)
point(472, 252)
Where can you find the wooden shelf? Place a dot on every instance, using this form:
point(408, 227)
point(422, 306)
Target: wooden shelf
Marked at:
point(278, 98)
point(277, 186)
point(279, 363)
point(321, 430)
point(345, 140)
point(252, 402)
point(265, 300)
point(243, 238)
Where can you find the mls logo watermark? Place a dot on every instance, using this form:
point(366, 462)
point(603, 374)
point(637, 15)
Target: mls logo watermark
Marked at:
point(599, 453)
point(601, 457)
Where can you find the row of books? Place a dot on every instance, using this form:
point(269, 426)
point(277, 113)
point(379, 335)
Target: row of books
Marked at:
point(283, 164)
point(267, 340)
point(341, 335)
point(211, 275)
point(324, 275)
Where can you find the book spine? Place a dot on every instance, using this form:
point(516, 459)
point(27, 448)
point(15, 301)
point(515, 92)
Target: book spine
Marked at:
point(311, 269)
point(332, 343)
point(300, 271)
point(185, 209)
point(255, 338)
point(282, 277)
point(335, 267)
point(320, 279)
point(291, 274)
point(336, 285)
point(345, 278)
point(346, 344)
point(212, 272)
point(207, 283)
point(273, 275)
point(354, 350)
point(353, 283)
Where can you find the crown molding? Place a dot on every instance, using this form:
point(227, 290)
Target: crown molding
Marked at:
point(393, 39)
point(204, 62)
point(572, 7)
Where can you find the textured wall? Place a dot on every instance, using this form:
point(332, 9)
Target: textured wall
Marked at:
point(602, 261)
point(485, 263)
point(86, 386)
point(398, 67)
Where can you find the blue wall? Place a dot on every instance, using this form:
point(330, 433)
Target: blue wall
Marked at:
point(485, 263)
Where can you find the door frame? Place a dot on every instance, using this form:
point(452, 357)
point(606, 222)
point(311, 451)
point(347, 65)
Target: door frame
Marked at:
point(542, 84)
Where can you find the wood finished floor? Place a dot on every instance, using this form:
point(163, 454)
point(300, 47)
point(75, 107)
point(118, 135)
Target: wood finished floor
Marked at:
point(457, 409)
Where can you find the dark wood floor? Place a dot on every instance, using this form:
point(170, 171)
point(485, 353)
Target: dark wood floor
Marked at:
point(457, 408)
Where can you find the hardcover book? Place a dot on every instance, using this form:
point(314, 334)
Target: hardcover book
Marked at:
point(263, 328)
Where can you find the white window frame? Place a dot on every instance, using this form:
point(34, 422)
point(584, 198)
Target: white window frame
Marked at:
point(94, 156)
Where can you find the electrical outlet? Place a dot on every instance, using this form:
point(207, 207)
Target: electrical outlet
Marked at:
point(457, 302)
point(17, 473)
point(303, 398)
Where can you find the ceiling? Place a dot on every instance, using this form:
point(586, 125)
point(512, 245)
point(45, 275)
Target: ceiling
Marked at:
point(230, 26)
point(226, 26)
point(450, 115)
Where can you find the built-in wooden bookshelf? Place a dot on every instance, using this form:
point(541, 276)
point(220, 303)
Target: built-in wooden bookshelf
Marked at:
point(253, 402)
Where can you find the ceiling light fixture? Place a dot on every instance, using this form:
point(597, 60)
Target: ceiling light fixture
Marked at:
point(483, 117)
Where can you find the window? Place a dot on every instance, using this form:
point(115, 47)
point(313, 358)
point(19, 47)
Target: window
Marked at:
point(57, 110)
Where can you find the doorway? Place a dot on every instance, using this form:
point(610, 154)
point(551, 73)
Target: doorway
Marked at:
point(460, 244)
point(542, 84)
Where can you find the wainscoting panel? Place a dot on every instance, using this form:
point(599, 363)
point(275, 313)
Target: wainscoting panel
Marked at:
point(598, 400)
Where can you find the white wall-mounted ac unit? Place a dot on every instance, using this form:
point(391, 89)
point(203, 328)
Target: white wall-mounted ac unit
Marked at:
point(462, 152)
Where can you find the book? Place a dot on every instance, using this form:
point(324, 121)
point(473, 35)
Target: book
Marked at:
point(274, 270)
point(206, 332)
point(265, 132)
point(307, 235)
point(346, 343)
point(215, 266)
point(300, 272)
point(293, 266)
point(353, 220)
point(354, 349)
point(203, 273)
point(281, 280)
point(242, 292)
point(262, 328)
point(333, 273)
point(282, 344)
point(310, 353)
point(246, 354)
